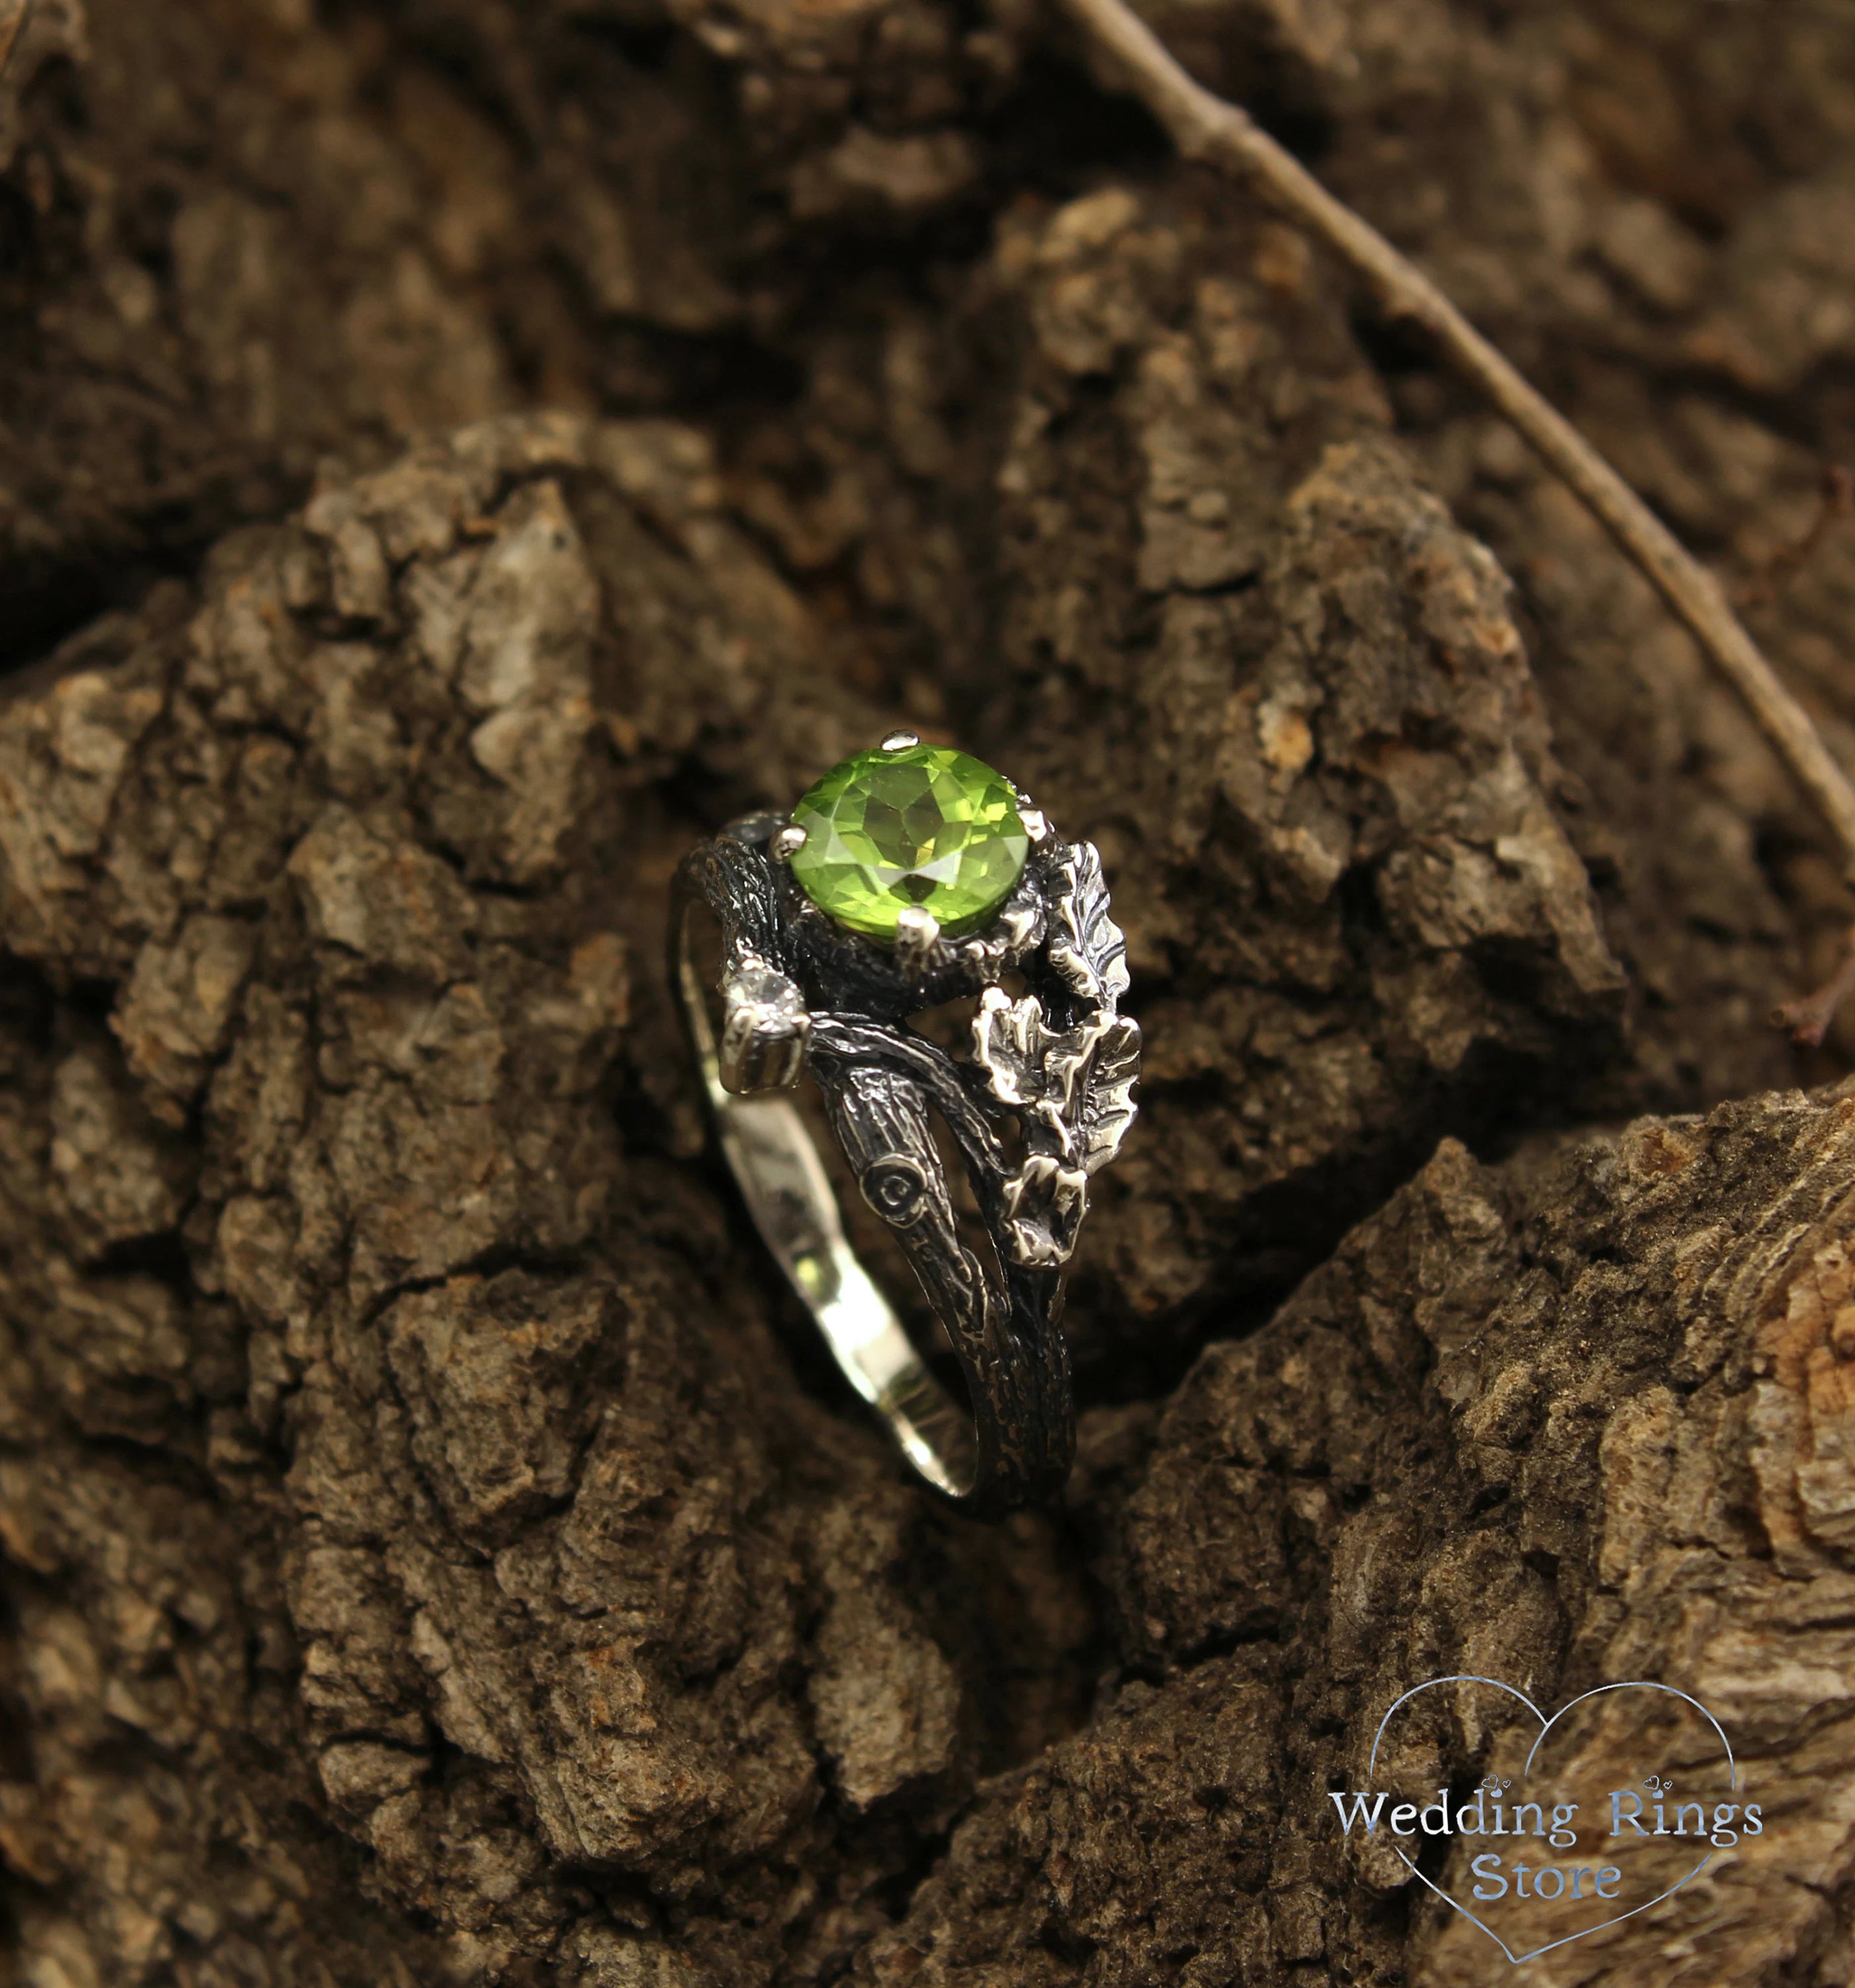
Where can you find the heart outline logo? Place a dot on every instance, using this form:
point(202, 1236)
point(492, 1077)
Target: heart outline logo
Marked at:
point(1545, 1726)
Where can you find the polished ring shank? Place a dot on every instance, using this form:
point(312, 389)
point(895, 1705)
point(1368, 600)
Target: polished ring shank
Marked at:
point(800, 995)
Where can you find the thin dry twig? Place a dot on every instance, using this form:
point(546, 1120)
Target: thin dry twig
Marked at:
point(1808, 1018)
point(12, 21)
point(1203, 126)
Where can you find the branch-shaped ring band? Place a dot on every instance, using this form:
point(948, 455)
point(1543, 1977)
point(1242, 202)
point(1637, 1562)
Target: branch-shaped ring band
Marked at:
point(909, 876)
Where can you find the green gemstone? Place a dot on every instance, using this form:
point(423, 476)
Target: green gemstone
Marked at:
point(922, 825)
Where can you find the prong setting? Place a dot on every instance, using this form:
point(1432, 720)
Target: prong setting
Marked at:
point(1036, 822)
point(764, 1029)
point(899, 741)
point(786, 842)
point(917, 933)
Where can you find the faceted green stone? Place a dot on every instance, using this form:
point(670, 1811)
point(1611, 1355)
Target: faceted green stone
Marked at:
point(923, 826)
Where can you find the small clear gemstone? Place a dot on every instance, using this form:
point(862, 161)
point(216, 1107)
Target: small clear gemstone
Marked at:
point(921, 825)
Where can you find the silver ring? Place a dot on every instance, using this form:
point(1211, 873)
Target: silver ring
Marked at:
point(909, 876)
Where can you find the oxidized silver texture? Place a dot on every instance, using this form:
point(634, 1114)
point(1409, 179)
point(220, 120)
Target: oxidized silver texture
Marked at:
point(1059, 1063)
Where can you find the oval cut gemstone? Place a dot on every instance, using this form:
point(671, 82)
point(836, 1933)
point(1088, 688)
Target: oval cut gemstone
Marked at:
point(924, 824)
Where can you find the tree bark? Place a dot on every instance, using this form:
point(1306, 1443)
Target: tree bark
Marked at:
point(451, 457)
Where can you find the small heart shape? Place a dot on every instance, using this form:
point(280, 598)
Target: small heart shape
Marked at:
point(1547, 1729)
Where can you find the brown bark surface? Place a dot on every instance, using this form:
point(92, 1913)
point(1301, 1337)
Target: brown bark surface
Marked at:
point(453, 454)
